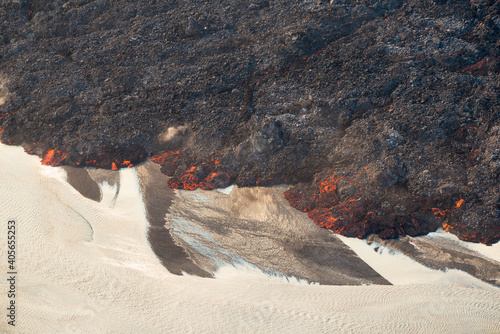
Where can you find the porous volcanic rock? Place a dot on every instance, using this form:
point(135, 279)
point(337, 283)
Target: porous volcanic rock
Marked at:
point(394, 104)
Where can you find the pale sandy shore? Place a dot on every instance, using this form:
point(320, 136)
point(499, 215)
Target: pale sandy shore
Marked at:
point(86, 267)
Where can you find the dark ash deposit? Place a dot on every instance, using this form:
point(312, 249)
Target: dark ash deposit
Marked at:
point(384, 115)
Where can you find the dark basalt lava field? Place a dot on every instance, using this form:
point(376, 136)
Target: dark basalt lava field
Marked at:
point(383, 115)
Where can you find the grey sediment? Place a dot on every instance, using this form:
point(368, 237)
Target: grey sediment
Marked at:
point(300, 249)
point(158, 198)
point(81, 180)
point(443, 254)
point(256, 226)
point(289, 245)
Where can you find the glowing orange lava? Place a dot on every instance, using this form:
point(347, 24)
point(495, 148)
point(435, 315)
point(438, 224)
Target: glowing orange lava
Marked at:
point(438, 213)
point(1, 117)
point(53, 158)
point(161, 158)
point(447, 227)
point(189, 181)
point(480, 63)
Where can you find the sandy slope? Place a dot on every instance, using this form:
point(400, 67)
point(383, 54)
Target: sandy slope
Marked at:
point(492, 252)
point(258, 226)
point(86, 267)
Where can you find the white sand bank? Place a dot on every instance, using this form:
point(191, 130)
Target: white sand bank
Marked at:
point(86, 267)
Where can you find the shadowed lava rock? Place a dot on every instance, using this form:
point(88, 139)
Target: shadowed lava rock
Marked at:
point(269, 92)
point(359, 205)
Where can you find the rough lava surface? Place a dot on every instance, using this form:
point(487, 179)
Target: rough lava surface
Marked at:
point(383, 115)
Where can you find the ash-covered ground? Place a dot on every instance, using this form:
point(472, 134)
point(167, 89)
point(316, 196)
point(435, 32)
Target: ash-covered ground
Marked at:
point(384, 115)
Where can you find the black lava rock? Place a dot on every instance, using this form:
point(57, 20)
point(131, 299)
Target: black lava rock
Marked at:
point(274, 91)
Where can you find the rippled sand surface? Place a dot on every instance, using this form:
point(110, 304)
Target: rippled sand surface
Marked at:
point(86, 267)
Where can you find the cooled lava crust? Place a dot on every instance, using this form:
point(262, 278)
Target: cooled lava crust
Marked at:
point(383, 115)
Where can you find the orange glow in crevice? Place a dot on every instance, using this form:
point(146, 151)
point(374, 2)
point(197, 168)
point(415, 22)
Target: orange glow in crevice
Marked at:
point(447, 227)
point(208, 175)
point(476, 238)
point(168, 160)
point(359, 214)
point(56, 157)
point(116, 164)
point(53, 158)
point(189, 181)
point(479, 64)
point(1, 117)
point(438, 213)
point(161, 158)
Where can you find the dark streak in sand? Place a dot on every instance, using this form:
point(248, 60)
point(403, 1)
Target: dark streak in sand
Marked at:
point(444, 254)
point(80, 179)
point(157, 200)
point(256, 226)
